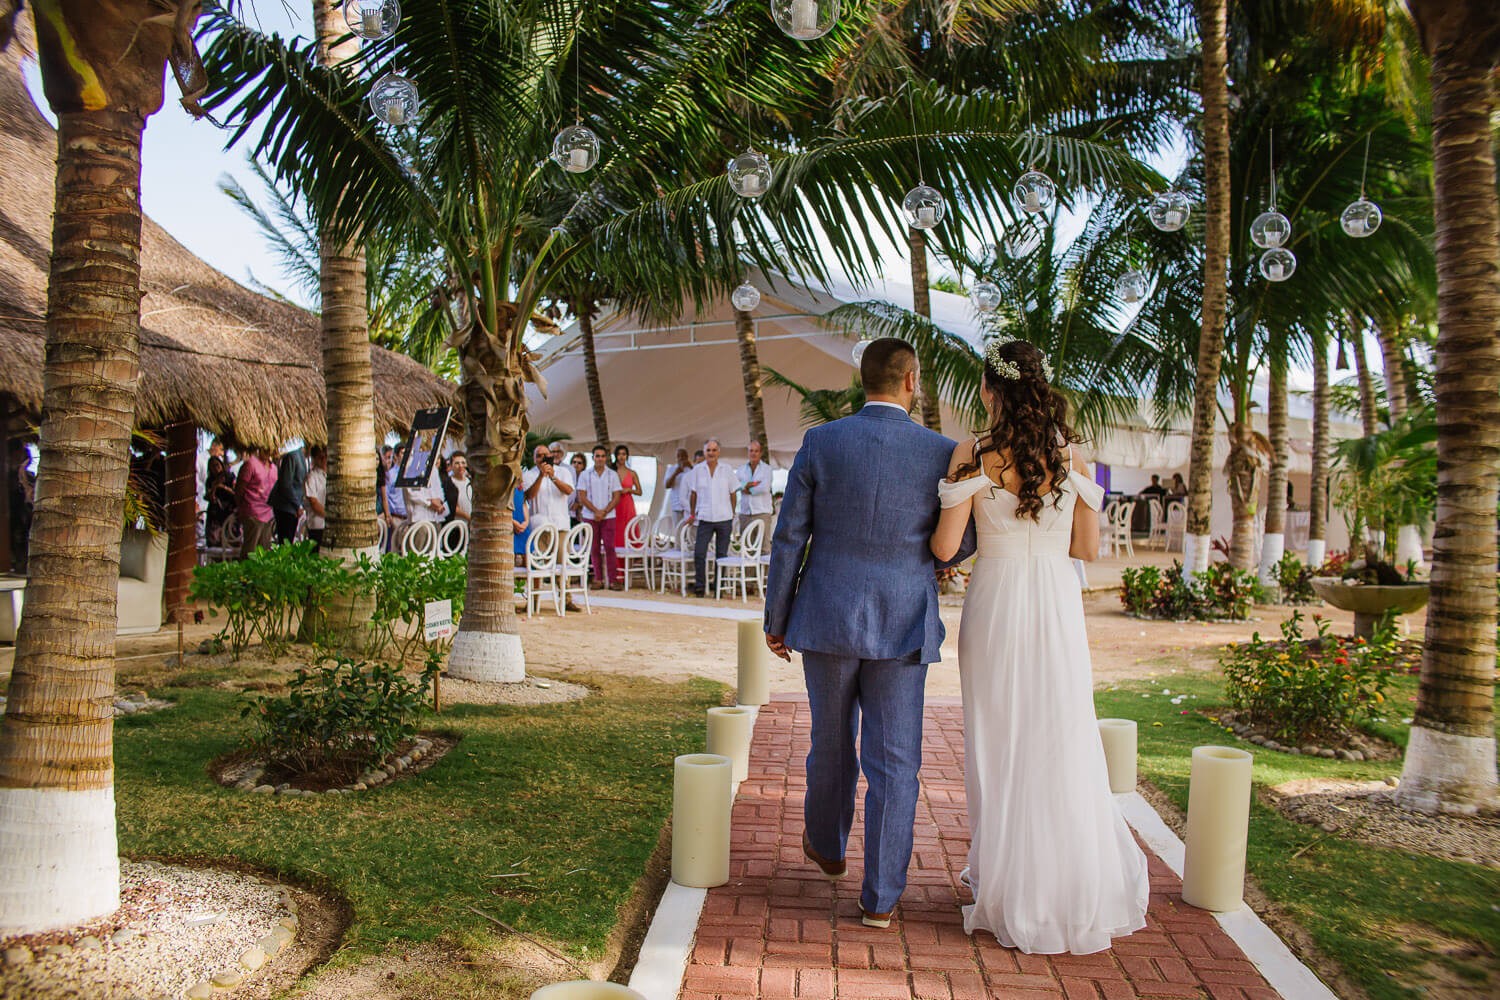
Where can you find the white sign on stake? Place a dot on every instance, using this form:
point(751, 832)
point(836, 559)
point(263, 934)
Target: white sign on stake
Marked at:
point(439, 620)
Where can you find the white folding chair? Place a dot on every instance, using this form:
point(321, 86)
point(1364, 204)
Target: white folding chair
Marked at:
point(573, 560)
point(1176, 528)
point(453, 540)
point(1158, 533)
point(231, 537)
point(1107, 529)
point(745, 566)
point(1119, 533)
point(677, 562)
point(420, 538)
point(382, 534)
point(635, 554)
point(541, 570)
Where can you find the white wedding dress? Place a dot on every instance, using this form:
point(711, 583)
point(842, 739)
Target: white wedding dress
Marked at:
point(1052, 864)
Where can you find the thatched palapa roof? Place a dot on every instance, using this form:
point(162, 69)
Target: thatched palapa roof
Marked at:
point(234, 362)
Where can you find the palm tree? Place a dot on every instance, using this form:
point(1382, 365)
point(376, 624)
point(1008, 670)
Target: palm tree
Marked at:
point(750, 376)
point(657, 213)
point(821, 406)
point(58, 858)
point(1274, 543)
point(1317, 494)
point(1450, 760)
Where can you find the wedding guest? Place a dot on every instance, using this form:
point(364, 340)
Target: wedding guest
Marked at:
point(426, 503)
point(215, 450)
point(252, 492)
point(755, 492)
point(462, 501)
point(600, 493)
point(679, 485)
point(316, 490)
point(549, 486)
point(1178, 487)
point(1156, 489)
point(520, 525)
point(579, 465)
point(289, 495)
point(711, 505)
point(392, 500)
point(218, 498)
point(625, 512)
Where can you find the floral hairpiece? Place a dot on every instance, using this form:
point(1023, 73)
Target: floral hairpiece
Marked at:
point(1004, 367)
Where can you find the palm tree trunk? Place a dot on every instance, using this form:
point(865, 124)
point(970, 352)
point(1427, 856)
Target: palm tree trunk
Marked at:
point(1212, 19)
point(182, 518)
point(1317, 495)
point(349, 390)
point(1242, 471)
point(58, 856)
point(1450, 760)
point(1389, 335)
point(921, 304)
point(493, 394)
point(1369, 415)
point(591, 372)
point(1273, 544)
point(750, 375)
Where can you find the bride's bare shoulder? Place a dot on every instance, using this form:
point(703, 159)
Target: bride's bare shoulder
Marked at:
point(966, 460)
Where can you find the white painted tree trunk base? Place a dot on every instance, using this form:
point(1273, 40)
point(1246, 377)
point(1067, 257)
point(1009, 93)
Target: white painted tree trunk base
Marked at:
point(59, 861)
point(487, 657)
point(1272, 548)
point(1448, 773)
point(1317, 552)
point(1195, 552)
point(1409, 546)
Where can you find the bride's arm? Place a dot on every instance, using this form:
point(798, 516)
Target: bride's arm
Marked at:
point(1085, 541)
point(953, 521)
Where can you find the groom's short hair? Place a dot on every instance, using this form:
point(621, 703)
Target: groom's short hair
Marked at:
point(885, 364)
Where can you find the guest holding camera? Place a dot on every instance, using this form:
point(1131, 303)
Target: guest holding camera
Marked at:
point(549, 487)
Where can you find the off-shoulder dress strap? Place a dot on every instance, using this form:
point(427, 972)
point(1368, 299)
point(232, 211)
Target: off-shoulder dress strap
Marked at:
point(953, 494)
point(1088, 491)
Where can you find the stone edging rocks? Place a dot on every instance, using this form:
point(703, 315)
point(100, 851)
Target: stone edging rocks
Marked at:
point(253, 958)
point(1361, 747)
point(246, 776)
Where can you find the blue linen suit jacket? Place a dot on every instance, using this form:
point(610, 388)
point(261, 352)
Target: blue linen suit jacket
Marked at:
point(851, 571)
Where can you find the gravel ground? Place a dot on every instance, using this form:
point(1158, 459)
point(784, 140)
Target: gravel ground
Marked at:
point(189, 925)
point(531, 691)
point(1364, 811)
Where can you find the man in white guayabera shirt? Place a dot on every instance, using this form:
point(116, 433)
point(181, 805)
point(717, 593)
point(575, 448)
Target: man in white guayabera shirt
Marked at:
point(755, 492)
point(549, 488)
point(711, 505)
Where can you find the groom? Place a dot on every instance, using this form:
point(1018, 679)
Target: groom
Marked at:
point(852, 589)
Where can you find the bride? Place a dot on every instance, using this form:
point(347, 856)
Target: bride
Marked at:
point(1052, 864)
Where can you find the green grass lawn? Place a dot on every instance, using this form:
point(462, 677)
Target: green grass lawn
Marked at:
point(574, 795)
point(1397, 923)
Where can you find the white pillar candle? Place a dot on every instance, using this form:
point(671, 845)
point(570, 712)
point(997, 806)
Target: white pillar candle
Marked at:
point(395, 111)
point(1173, 218)
point(1118, 737)
point(729, 731)
point(1031, 199)
point(804, 16)
point(1218, 829)
point(578, 158)
point(754, 664)
point(701, 798)
point(750, 184)
point(926, 215)
point(586, 989)
point(372, 19)
point(1274, 270)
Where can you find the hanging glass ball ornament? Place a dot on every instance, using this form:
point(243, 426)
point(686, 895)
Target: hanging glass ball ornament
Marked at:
point(576, 149)
point(858, 353)
point(372, 19)
point(923, 207)
point(1169, 211)
point(985, 295)
point(745, 298)
point(1360, 219)
point(394, 100)
point(750, 174)
point(1034, 192)
point(1277, 264)
point(1023, 238)
point(1130, 287)
point(1270, 229)
point(805, 19)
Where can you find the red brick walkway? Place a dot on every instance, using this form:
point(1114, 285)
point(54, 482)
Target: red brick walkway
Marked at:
point(777, 930)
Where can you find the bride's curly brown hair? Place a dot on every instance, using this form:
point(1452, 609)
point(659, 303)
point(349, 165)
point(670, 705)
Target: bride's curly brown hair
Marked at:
point(1030, 431)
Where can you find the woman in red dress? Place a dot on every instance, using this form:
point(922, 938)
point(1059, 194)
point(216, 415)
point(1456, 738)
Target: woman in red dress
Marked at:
point(625, 510)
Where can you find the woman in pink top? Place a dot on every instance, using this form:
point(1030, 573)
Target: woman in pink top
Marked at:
point(252, 490)
point(625, 512)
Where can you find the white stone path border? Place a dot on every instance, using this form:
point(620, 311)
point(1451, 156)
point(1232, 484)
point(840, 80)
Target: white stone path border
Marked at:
point(706, 609)
point(663, 961)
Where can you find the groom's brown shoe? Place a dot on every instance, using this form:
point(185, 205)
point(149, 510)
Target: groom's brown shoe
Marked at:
point(833, 869)
point(881, 920)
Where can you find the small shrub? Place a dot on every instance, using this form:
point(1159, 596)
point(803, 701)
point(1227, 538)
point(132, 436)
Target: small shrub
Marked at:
point(1219, 592)
point(339, 718)
point(1301, 689)
point(403, 585)
point(1295, 580)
